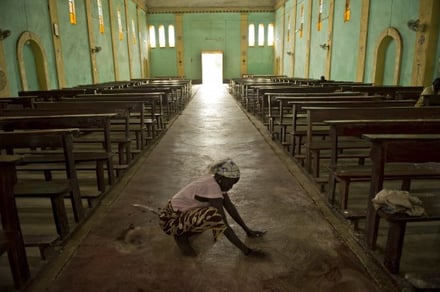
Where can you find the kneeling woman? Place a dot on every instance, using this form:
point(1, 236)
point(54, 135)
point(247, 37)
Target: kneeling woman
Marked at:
point(199, 206)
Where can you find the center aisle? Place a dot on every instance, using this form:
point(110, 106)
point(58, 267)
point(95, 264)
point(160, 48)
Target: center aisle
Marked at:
point(125, 249)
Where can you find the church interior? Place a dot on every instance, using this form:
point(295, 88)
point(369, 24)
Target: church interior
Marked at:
point(110, 109)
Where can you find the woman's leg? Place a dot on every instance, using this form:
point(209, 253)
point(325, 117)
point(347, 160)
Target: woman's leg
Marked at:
point(184, 245)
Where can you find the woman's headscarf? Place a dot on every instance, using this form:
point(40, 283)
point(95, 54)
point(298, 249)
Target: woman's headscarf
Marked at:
point(225, 167)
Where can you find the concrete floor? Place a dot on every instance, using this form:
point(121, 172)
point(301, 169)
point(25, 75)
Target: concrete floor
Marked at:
point(122, 248)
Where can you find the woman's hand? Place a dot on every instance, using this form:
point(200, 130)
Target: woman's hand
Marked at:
point(255, 233)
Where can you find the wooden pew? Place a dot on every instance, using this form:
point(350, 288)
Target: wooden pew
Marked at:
point(158, 106)
point(53, 94)
point(151, 100)
point(17, 102)
point(317, 115)
point(11, 237)
point(181, 85)
point(385, 149)
point(81, 121)
point(167, 101)
point(263, 90)
point(123, 144)
point(293, 120)
point(53, 190)
point(386, 90)
point(177, 92)
point(249, 92)
point(242, 85)
point(297, 120)
point(274, 102)
point(142, 128)
point(345, 174)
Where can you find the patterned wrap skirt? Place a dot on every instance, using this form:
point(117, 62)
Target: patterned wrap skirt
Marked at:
point(195, 220)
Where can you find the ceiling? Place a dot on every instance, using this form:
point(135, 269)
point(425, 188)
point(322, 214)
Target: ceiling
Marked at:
point(154, 4)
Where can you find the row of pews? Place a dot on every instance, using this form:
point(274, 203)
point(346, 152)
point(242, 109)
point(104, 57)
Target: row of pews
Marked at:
point(62, 151)
point(347, 134)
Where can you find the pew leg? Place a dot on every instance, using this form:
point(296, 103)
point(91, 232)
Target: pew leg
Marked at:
point(127, 152)
point(60, 215)
point(345, 187)
point(406, 184)
point(47, 175)
point(293, 149)
point(299, 144)
point(372, 227)
point(121, 153)
point(394, 245)
point(316, 157)
point(331, 189)
point(100, 175)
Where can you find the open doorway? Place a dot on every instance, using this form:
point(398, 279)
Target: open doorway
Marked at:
point(212, 67)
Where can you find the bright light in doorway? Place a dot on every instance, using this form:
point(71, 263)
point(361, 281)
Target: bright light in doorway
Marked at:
point(212, 68)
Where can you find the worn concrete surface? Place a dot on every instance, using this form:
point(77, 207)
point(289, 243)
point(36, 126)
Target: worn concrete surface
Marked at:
point(305, 251)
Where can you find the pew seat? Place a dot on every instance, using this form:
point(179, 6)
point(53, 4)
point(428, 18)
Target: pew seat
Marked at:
point(44, 243)
point(55, 190)
point(47, 161)
point(346, 174)
point(396, 233)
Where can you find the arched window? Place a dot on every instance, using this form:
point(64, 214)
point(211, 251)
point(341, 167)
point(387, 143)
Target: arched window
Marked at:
point(171, 36)
point(261, 37)
point(251, 35)
point(162, 38)
point(270, 34)
point(152, 33)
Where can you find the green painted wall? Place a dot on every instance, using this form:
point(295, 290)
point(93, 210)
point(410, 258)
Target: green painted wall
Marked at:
point(30, 16)
point(104, 59)
point(437, 60)
point(133, 38)
point(121, 44)
point(279, 37)
point(392, 14)
point(205, 31)
point(163, 61)
point(345, 42)
point(211, 32)
point(318, 61)
point(260, 58)
point(75, 45)
point(301, 42)
point(289, 34)
point(143, 36)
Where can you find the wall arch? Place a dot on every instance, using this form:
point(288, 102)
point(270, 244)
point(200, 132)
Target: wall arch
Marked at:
point(28, 38)
point(386, 37)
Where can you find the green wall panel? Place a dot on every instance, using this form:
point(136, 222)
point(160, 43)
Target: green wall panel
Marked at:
point(134, 39)
point(163, 61)
point(33, 17)
point(207, 32)
point(75, 45)
point(392, 14)
point(436, 61)
point(260, 58)
point(318, 61)
point(300, 42)
point(345, 42)
point(143, 38)
point(210, 32)
point(104, 59)
point(121, 44)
